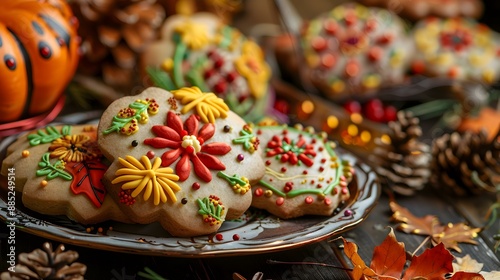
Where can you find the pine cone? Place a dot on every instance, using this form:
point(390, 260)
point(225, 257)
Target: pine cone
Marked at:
point(114, 33)
point(466, 163)
point(47, 264)
point(405, 160)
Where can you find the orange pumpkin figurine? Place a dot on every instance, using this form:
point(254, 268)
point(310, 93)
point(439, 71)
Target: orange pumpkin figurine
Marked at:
point(38, 55)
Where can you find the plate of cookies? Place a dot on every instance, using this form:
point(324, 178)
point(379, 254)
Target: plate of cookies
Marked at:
point(177, 173)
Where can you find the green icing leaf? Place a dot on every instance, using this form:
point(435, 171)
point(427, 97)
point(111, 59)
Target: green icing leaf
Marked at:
point(52, 171)
point(50, 134)
point(207, 207)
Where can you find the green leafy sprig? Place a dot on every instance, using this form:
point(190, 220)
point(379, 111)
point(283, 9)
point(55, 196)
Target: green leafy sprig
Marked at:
point(52, 171)
point(207, 207)
point(50, 134)
point(118, 122)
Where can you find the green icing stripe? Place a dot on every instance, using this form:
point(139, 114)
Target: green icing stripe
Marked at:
point(180, 51)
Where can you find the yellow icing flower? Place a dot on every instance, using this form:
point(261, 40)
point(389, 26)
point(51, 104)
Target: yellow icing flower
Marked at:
point(73, 148)
point(208, 106)
point(194, 35)
point(142, 176)
point(253, 67)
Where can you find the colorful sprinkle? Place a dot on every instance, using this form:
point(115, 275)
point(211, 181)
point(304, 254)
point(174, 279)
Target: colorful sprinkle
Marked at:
point(184, 201)
point(150, 154)
point(348, 213)
point(25, 154)
point(44, 183)
point(309, 200)
point(280, 201)
point(258, 192)
point(135, 143)
point(219, 237)
point(240, 157)
point(196, 186)
point(236, 237)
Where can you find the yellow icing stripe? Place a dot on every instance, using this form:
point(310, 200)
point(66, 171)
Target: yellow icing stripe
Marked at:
point(126, 163)
point(281, 176)
point(148, 191)
point(131, 185)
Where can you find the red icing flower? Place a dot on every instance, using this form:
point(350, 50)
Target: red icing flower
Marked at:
point(187, 143)
point(291, 152)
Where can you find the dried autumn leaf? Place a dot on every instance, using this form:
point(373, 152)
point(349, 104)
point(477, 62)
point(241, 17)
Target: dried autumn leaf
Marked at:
point(389, 258)
point(360, 269)
point(411, 223)
point(450, 235)
point(433, 263)
point(467, 264)
point(461, 275)
point(492, 275)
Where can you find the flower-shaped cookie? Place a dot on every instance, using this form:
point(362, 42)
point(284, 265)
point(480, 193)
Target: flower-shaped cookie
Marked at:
point(58, 170)
point(201, 51)
point(190, 166)
point(418, 9)
point(355, 49)
point(304, 174)
point(457, 48)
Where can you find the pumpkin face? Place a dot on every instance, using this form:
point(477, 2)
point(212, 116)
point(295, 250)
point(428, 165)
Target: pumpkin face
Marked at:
point(38, 55)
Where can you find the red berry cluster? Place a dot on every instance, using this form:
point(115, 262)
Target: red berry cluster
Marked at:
point(153, 105)
point(126, 198)
point(126, 113)
point(223, 77)
point(374, 110)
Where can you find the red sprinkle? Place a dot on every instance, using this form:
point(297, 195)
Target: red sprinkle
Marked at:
point(219, 237)
point(258, 192)
point(236, 237)
point(304, 172)
point(196, 186)
point(150, 154)
point(283, 169)
point(327, 201)
point(280, 201)
point(309, 200)
point(268, 162)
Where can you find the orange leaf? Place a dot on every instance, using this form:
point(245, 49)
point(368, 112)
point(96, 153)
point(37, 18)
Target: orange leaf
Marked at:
point(411, 223)
point(433, 263)
point(451, 234)
point(461, 275)
point(389, 258)
point(359, 267)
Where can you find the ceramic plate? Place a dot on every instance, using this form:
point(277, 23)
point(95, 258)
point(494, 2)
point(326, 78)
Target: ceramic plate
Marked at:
point(255, 232)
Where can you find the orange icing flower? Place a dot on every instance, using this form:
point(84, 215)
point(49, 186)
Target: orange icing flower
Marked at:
point(74, 148)
point(152, 179)
point(253, 67)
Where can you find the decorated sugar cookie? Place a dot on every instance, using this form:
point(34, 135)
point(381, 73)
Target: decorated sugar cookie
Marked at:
point(355, 49)
point(457, 48)
point(304, 175)
point(418, 9)
point(201, 51)
point(181, 158)
point(58, 171)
